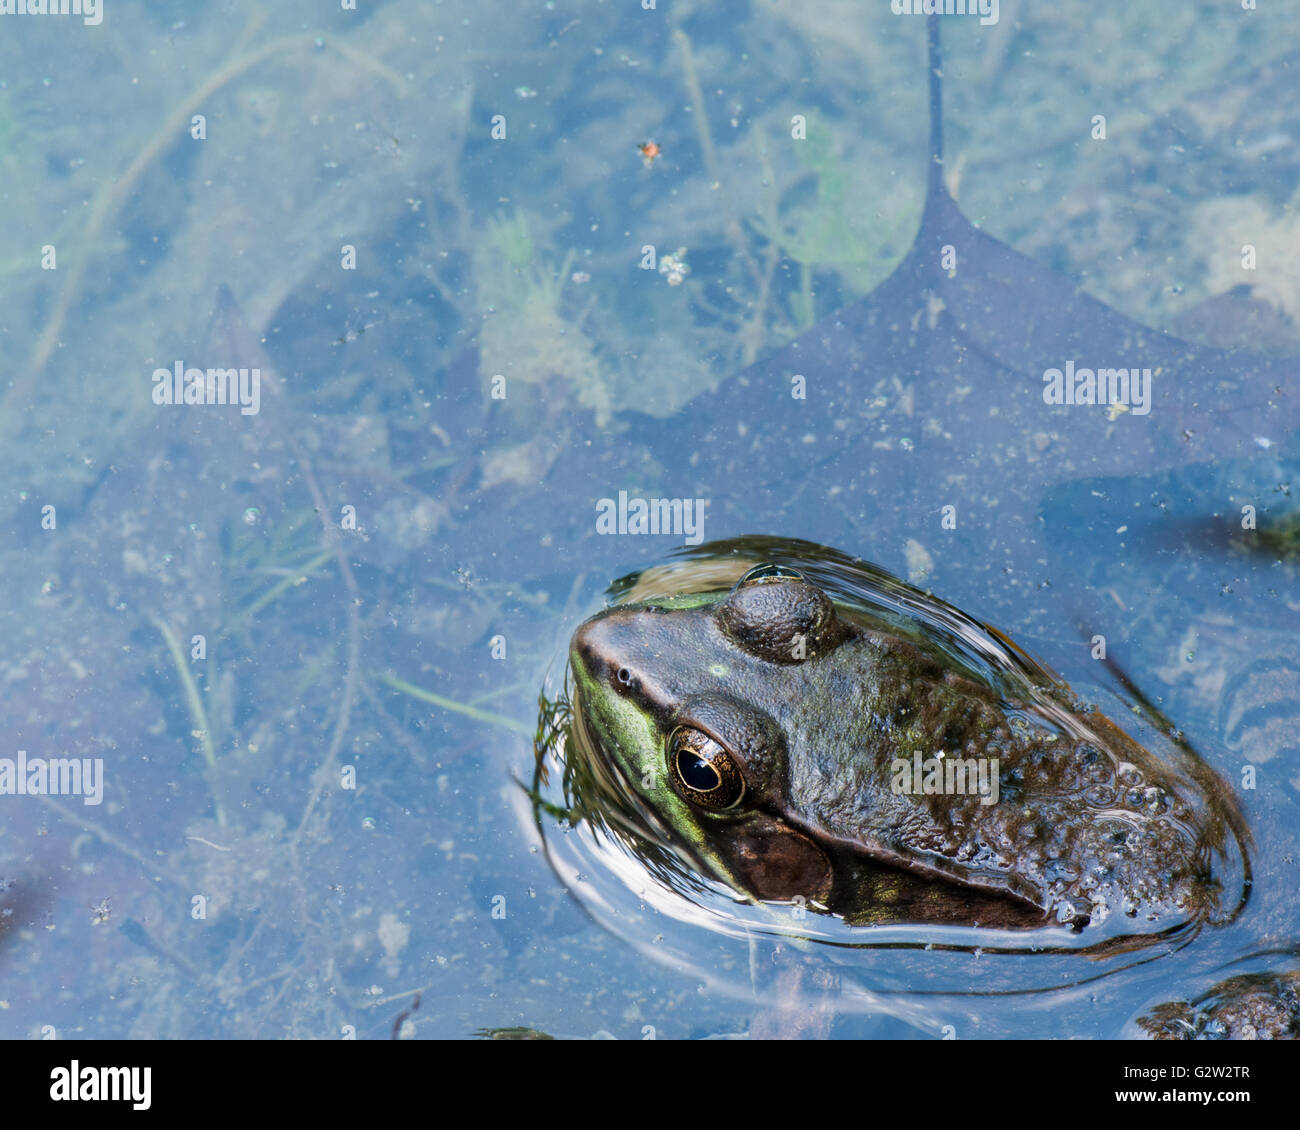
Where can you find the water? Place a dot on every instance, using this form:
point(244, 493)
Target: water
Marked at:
point(231, 883)
point(634, 877)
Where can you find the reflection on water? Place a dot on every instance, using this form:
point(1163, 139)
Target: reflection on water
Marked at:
point(637, 877)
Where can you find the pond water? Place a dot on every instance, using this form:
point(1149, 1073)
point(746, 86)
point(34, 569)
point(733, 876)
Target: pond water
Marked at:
point(498, 272)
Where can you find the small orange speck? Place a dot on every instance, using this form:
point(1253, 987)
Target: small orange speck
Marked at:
point(649, 151)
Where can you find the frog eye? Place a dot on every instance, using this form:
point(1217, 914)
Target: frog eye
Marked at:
point(772, 612)
point(760, 574)
point(702, 771)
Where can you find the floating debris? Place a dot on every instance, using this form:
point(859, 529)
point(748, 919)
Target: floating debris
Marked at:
point(674, 267)
point(649, 150)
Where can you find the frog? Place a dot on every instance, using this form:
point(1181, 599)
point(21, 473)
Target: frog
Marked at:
point(797, 748)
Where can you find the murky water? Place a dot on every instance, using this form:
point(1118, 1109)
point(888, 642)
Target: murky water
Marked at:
point(307, 643)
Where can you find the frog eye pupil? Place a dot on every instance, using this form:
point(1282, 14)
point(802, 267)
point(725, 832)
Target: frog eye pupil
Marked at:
point(697, 772)
point(702, 771)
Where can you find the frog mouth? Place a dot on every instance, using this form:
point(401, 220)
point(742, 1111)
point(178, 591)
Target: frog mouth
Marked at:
point(875, 882)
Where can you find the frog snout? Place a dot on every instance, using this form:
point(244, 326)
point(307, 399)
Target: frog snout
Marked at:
point(596, 648)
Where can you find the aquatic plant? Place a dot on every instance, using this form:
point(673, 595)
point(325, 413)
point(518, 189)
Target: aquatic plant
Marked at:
point(527, 336)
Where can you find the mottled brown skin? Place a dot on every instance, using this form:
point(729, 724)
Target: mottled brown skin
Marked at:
point(1252, 1006)
point(811, 703)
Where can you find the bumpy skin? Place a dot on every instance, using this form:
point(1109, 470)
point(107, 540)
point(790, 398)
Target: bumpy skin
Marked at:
point(813, 706)
point(1263, 1006)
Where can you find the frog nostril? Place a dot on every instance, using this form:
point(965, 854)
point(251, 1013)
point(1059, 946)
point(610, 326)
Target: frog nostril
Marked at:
point(625, 676)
